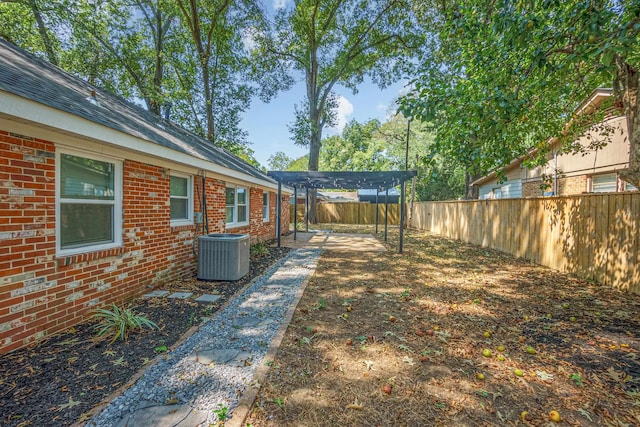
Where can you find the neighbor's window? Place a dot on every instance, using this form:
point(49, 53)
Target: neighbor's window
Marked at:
point(604, 183)
point(237, 206)
point(265, 206)
point(89, 203)
point(181, 200)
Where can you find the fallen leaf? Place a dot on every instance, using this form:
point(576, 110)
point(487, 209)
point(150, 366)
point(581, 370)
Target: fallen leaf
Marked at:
point(70, 404)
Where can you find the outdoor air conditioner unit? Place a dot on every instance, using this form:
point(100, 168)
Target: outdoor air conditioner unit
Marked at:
point(223, 256)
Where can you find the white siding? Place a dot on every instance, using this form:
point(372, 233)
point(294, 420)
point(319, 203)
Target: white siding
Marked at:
point(506, 190)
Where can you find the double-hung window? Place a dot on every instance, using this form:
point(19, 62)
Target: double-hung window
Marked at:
point(265, 206)
point(181, 200)
point(237, 206)
point(89, 203)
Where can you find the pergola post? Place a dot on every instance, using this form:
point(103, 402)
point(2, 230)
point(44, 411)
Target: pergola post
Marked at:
point(401, 216)
point(386, 213)
point(295, 213)
point(377, 191)
point(306, 209)
point(279, 211)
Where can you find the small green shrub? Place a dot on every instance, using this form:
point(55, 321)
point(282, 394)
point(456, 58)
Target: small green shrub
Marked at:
point(119, 322)
point(259, 249)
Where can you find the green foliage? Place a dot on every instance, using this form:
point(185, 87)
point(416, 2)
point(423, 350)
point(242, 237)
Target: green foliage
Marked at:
point(338, 43)
point(498, 80)
point(259, 249)
point(222, 412)
point(119, 322)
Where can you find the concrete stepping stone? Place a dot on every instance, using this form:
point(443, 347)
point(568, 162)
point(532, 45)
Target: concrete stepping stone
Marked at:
point(208, 298)
point(180, 295)
point(164, 416)
point(228, 356)
point(155, 294)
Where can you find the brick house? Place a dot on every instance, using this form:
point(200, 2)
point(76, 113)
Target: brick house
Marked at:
point(594, 171)
point(100, 199)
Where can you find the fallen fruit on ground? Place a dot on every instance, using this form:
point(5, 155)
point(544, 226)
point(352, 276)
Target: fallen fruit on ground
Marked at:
point(554, 416)
point(486, 352)
point(500, 348)
point(480, 376)
point(392, 319)
point(386, 388)
point(500, 358)
point(525, 416)
point(349, 341)
point(487, 334)
point(531, 350)
point(518, 372)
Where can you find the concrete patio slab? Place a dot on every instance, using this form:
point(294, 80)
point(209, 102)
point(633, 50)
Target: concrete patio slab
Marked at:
point(330, 241)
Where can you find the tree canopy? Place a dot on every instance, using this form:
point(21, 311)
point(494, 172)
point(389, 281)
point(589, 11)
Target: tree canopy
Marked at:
point(499, 78)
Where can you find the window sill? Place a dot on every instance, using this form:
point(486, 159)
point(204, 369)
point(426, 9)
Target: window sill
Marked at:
point(65, 260)
point(181, 223)
point(237, 225)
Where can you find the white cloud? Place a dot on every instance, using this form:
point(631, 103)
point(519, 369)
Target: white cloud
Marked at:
point(279, 4)
point(344, 110)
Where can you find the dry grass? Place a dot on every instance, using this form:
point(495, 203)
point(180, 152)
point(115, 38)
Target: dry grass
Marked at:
point(419, 322)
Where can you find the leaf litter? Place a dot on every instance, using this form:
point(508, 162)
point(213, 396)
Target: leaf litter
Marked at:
point(573, 343)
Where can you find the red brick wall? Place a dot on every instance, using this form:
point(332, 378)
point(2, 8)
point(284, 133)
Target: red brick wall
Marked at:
point(41, 294)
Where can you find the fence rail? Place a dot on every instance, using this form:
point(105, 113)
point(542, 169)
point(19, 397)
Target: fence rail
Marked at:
point(351, 213)
point(593, 236)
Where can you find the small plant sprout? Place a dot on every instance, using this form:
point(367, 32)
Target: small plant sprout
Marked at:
point(119, 322)
point(259, 249)
point(576, 378)
point(278, 401)
point(222, 413)
point(322, 303)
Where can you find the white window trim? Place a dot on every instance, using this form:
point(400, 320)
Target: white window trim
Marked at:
point(189, 219)
point(235, 222)
point(268, 206)
point(117, 204)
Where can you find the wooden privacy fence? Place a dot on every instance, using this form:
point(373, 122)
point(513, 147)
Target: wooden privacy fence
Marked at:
point(351, 213)
point(594, 236)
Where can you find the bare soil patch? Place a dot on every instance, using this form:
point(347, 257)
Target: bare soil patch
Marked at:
point(385, 339)
point(60, 381)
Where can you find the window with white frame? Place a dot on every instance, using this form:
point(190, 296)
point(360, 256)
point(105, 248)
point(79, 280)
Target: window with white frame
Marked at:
point(237, 203)
point(181, 199)
point(89, 202)
point(265, 206)
point(604, 183)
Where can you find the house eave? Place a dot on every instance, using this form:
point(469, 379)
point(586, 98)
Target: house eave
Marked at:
point(27, 112)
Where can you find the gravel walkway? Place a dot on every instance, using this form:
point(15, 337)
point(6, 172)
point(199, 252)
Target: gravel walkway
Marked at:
point(208, 374)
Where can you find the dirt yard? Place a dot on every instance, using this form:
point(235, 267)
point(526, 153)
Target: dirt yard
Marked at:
point(449, 334)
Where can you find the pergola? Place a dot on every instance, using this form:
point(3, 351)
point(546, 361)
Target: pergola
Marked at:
point(380, 181)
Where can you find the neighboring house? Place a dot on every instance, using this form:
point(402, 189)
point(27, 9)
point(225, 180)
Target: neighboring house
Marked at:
point(101, 200)
point(369, 196)
point(592, 172)
point(339, 196)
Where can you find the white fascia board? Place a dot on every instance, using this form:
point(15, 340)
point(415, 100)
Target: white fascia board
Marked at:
point(25, 111)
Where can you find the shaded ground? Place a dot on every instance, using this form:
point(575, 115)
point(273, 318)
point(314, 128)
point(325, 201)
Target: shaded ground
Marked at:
point(61, 380)
point(387, 339)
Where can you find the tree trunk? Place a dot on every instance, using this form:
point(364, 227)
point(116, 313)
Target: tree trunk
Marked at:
point(626, 90)
point(156, 91)
point(471, 192)
point(314, 163)
point(42, 29)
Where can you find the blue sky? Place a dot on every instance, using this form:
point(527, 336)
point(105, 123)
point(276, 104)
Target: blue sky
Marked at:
point(267, 123)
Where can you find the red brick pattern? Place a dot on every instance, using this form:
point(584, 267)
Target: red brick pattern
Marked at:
point(41, 294)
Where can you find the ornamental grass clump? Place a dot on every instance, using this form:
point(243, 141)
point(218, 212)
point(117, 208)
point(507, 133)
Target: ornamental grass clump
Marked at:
point(119, 322)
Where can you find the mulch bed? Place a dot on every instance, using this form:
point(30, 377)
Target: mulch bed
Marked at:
point(450, 334)
point(60, 381)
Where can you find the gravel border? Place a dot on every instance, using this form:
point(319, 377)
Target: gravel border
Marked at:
point(179, 379)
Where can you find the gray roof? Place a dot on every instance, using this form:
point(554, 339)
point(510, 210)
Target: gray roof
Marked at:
point(27, 76)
